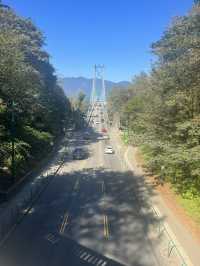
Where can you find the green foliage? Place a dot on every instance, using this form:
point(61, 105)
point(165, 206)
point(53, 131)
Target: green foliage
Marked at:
point(197, 2)
point(28, 92)
point(80, 106)
point(191, 204)
point(22, 154)
point(161, 112)
point(40, 141)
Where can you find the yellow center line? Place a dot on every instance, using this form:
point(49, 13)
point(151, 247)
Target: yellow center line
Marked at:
point(103, 187)
point(76, 185)
point(64, 223)
point(65, 220)
point(106, 227)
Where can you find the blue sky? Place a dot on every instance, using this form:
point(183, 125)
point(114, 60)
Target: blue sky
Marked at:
point(117, 33)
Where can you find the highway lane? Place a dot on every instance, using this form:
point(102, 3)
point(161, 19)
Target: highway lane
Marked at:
point(115, 206)
point(90, 212)
point(26, 246)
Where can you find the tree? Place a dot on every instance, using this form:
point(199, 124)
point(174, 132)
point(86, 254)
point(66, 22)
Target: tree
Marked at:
point(80, 106)
point(162, 111)
point(197, 2)
point(41, 111)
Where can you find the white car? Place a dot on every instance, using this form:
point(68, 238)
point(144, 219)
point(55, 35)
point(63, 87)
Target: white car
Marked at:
point(105, 137)
point(97, 122)
point(108, 150)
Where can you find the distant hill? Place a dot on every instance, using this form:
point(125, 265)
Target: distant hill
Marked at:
point(73, 85)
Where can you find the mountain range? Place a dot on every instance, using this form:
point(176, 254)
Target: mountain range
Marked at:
point(73, 85)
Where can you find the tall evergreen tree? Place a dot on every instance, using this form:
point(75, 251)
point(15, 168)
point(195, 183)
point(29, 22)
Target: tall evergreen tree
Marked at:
point(29, 90)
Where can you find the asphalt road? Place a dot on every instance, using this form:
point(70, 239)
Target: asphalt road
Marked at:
point(93, 213)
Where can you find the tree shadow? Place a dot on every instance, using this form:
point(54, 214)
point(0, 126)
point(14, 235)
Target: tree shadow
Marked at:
point(110, 222)
point(125, 202)
point(79, 255)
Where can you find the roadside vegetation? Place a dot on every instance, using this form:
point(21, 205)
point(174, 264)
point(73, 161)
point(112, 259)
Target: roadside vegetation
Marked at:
point(160, 111)
point(34, 110)
point(80, 106)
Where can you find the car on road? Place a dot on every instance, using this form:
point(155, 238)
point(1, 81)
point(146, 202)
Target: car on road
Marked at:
point(109, 150)
point(106, 137)
point(102, 137)
point(86, 136)
point(79, 154)
point(97, 122)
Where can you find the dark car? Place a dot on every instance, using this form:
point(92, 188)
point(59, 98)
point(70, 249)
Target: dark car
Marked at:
point(86, 136)
point(79, 154)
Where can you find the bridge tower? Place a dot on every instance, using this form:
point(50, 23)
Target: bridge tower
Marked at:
point(98, 93)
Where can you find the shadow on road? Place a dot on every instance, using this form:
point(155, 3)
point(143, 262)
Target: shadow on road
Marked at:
point(109, 214)
point(79, 140)
point(124, 200)
point(79, 255)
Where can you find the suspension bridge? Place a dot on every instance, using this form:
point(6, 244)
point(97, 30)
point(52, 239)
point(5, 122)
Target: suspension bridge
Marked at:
point(98, 93)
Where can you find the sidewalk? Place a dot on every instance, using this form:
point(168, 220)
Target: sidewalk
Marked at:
point(183, 237)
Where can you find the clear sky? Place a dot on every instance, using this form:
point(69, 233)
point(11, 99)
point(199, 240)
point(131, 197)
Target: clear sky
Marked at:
point(117, 33)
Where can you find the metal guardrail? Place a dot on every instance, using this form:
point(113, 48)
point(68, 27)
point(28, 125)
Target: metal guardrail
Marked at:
point(171, 243)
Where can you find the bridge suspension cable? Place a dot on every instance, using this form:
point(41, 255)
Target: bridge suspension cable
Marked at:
point(98, 92)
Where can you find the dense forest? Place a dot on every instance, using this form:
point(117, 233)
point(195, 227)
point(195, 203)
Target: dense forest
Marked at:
point(34, 110)
point(160, 111)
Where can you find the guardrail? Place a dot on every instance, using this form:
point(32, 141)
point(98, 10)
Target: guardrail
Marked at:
point(171, 243)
